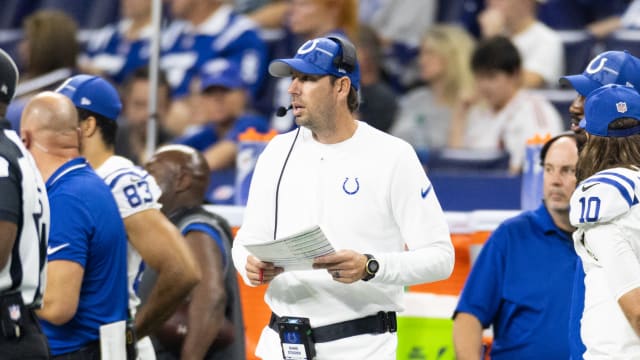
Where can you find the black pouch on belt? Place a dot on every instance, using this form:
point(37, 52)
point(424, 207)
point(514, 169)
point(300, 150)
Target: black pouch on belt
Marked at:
point(296, 338)
point(131, 339)
point(12, 311)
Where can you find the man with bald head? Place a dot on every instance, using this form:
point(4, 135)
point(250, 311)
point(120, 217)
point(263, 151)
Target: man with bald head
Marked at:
point(86, 273)
point(136, 194)
point(214, 315)
point(24, 229)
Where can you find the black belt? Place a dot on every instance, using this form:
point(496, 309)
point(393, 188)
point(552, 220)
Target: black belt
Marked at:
point(89, 351)
point(380, 323)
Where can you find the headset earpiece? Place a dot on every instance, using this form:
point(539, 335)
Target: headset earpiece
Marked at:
point(348, 59)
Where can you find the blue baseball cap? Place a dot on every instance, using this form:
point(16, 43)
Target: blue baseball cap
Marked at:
point(609, 103)
point(222, 73)
point(92, 93)
point(610, 67)
point(320, 56)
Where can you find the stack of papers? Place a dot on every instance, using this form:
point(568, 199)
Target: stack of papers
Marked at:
point(295, 252)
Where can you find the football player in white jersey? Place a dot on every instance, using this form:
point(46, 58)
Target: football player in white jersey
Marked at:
point(604, 208)
point(152, 237)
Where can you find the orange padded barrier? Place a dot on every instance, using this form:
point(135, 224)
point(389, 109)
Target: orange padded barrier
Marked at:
point(256, 315)
point(255, 312)
point(453, 285)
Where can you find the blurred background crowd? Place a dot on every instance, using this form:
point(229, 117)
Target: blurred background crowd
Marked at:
point(467, 82)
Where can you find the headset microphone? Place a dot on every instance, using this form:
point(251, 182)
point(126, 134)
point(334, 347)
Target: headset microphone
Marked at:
point(282, 111)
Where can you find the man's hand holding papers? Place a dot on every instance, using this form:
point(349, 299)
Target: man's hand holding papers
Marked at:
point(294, 252)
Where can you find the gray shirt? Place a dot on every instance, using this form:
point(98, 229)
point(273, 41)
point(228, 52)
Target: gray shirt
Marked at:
point(422, 121)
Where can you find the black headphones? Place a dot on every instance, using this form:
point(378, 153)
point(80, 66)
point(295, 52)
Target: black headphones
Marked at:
point(348, 59)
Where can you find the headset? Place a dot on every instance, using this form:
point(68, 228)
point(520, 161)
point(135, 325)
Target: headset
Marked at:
point(275, 222)
point(348, 59)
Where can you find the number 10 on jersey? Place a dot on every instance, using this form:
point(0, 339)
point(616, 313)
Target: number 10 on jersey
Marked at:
point(589, 209)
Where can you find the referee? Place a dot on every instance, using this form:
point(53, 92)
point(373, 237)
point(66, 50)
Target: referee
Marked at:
point(24, 230)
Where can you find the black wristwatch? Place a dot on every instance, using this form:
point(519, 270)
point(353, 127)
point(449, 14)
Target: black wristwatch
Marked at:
point(370, 268)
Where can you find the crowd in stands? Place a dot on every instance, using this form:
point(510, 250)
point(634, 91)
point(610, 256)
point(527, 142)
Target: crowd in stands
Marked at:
point(425, 75)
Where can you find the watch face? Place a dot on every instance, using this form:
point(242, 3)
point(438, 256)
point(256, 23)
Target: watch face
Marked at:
point(373, 266)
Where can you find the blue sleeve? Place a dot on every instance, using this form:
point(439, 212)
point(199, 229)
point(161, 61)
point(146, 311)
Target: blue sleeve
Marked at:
point(250, 52)
point(576, 347)
point(482, 293)
point(241, 125)
point(71, 229)
point(213, 233)
point(200, 140)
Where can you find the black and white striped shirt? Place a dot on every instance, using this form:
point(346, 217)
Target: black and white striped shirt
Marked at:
point(23, 201)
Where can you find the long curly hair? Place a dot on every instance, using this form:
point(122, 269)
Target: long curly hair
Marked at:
point(601, 153)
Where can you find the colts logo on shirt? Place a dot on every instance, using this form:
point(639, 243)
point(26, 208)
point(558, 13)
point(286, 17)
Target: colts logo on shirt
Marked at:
point(350, 187)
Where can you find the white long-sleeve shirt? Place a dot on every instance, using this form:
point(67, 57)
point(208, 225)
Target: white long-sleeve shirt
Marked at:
point(369, 194)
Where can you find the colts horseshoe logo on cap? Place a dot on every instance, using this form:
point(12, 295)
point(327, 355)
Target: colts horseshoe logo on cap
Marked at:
point(591, 70)
point(311, 45)
point(308, 47)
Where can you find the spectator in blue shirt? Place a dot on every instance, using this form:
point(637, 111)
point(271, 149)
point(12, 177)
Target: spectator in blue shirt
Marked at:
point(87, 271)
point(118, 49)
point(203, 32)
point(224, 103)
point(522, 281)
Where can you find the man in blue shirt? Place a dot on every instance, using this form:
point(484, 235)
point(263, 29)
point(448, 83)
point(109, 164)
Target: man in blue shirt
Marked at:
point(152, 237)
point(204, 32)
point(522, 281)
point(119, 49)
point(87, 253)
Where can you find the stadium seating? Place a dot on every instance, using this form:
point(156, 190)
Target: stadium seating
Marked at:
point(13, 11)
point(98, 14)
point(561, 99)
point(579, 47)
point(624, 40)
point(472, 190)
